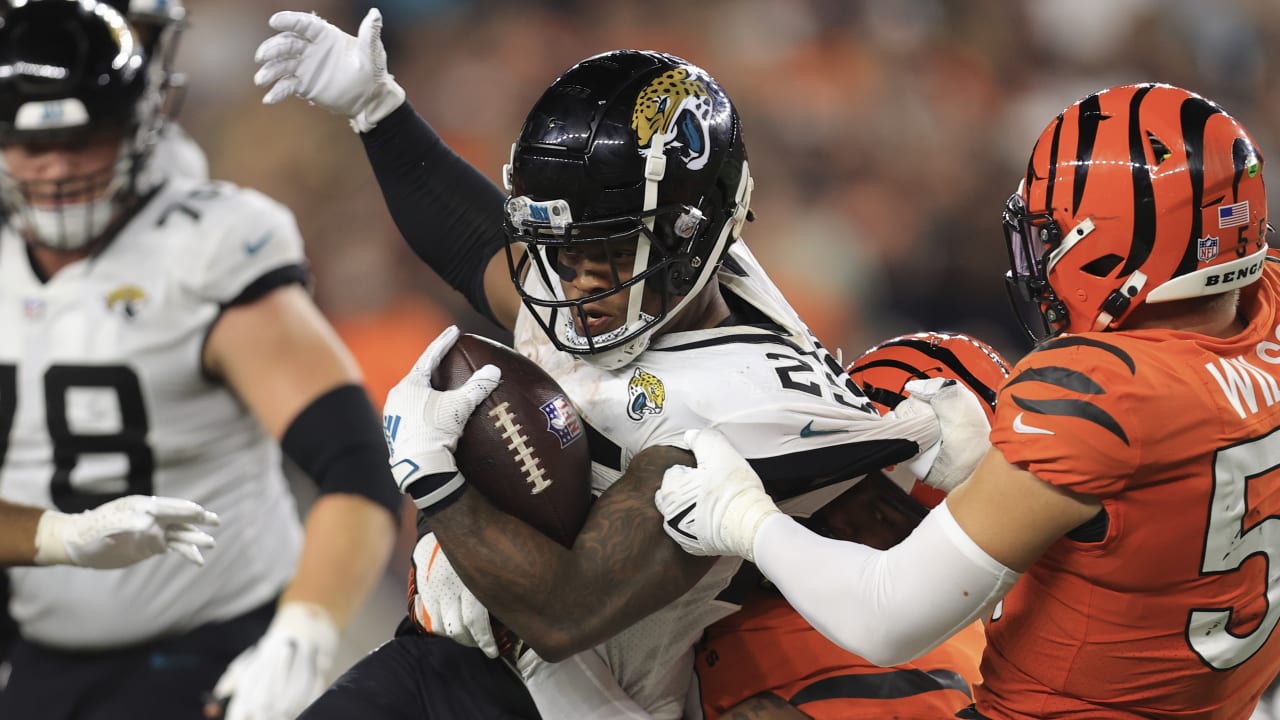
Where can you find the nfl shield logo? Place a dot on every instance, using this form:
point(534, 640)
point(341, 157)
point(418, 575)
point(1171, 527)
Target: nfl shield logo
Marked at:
point(1207, 248)
point(562, 419)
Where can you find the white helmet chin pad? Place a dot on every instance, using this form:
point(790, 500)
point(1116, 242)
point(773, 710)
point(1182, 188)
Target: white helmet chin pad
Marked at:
point(612, 358)
point(69, 227)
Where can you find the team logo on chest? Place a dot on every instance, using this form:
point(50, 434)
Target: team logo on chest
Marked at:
point(126, 301)
point(645, 395)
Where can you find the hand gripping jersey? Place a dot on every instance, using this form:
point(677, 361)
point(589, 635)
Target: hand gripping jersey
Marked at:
point(778, 396)
point(102, 394)
point(1165, 606)
point(769, 647)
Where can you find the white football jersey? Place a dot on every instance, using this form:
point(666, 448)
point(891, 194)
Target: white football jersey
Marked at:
point(103, 394)
point(775, 393)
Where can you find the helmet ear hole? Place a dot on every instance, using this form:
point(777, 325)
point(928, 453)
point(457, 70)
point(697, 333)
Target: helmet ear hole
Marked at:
point(1102, 266)
point(1159, 150)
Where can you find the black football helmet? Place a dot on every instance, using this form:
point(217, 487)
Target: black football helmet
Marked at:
point(71, 70)
point(159, 25)
point(626, 147)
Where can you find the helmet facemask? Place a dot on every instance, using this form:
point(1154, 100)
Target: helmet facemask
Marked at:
point(67, 213)
point(1030, 239)
point(658, 259)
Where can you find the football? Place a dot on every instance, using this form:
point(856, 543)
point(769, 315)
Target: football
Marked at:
point(524, 448)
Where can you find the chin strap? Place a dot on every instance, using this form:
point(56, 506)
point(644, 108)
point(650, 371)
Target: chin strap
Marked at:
point(743, 211)
point(1118, 302)
point(655, 169)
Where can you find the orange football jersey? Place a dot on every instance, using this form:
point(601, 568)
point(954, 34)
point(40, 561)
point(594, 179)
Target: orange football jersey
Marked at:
point(769, 647)
point(1167, 605)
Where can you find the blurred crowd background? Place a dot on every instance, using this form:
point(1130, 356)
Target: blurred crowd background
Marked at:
point(884, 135)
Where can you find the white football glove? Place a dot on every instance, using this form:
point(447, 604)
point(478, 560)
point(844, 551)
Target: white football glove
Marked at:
point(319, 63)
point(717, 507)
point(122, 532)
point(279, 676)
point(422, 425)
point(962, 423)
point(442, 605)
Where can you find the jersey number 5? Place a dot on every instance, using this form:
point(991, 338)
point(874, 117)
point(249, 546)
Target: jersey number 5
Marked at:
point(1229, 543)
point(130, 440)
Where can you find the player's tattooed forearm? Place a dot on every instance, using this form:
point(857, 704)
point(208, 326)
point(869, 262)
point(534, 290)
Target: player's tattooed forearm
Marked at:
point(621, 568)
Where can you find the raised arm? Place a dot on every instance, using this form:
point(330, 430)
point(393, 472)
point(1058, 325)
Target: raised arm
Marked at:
point(446, 209)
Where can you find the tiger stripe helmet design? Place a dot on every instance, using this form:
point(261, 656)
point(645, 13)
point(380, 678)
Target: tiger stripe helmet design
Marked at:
point(1136, 194)
point(882, 371)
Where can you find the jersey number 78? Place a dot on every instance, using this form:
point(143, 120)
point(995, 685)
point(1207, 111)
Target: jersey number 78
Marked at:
point(68, 445)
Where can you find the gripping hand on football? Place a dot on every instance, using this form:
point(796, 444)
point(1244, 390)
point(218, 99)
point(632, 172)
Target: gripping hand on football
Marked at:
point(962, 423)
point(422, 426)
point(323, 65)
point(276, 678)
point(441, 605)
point(122, 532)
point(717, 507)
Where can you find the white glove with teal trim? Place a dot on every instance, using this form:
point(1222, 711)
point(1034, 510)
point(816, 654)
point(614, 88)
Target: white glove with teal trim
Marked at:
point(717, 507)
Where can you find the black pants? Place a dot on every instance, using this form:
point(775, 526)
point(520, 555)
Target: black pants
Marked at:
point(424, 677)
point(164, 679)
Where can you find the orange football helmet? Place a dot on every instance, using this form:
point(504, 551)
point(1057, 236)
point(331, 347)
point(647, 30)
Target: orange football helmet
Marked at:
point(1136, 194)
point(882, 371)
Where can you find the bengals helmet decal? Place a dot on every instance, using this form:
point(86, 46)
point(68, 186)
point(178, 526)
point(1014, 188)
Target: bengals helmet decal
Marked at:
point(1136, 194)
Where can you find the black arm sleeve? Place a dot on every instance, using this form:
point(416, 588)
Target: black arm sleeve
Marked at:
point(448, 212)
point(336, 441)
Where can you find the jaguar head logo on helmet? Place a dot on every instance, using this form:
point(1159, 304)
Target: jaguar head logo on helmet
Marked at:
point(628, 183)
point(1133, 196)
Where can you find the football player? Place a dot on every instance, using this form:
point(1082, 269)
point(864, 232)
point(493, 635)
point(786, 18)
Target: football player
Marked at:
point(1133, 478)
point(156, 337)
point(614, 256)
point(767, 654)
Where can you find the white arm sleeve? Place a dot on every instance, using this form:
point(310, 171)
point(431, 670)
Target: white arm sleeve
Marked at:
point(888, 606)
point(580, 687)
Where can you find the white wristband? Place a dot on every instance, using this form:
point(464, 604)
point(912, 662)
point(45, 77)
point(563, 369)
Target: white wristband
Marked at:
point(51, 548)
